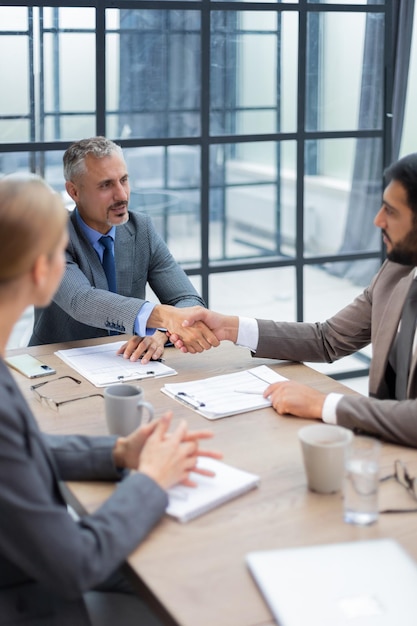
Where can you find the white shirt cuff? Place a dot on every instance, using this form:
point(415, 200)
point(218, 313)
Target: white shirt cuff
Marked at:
point(248, 333)
point(329, 408)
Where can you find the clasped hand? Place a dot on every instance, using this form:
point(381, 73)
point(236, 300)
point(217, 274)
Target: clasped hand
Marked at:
point(168, 458)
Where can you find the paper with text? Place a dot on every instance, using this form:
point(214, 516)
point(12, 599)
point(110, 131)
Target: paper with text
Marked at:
point(102, 366)
point(228, 394)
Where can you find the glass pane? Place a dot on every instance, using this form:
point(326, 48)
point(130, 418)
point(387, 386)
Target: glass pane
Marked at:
point(176, 217)
point(13, 19)
point(74, 18)
point(54, 175)
point(265, 294)
point(343, 196)
point(157, 167)
point(165, 183)
point(45, 164)
point(69, 60)
point(345, 1)
point(194, 280)
point(70, 127)
point(14, 131)
point(409, 133)
point(15, 96)
point(274, 1)
point(345, 91)
point(153, 59)
point(244, 99)
point(11, 162)
point(327, 290)
point(252, 202)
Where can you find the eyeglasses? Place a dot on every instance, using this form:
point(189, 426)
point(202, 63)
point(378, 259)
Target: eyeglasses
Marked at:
point(403, 477)
point(53, 404)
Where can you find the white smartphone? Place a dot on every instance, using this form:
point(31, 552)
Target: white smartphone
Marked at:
point(29, 366)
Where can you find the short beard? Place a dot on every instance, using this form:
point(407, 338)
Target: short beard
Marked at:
point(405, 252)
point(126, 219)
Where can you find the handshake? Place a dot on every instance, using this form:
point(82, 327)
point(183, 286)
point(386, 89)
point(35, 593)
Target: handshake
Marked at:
point(195, 329)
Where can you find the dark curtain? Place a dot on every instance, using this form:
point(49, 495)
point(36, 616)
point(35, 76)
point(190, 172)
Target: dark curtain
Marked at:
point(367, 184)
point(159, 73)
point(161, 85)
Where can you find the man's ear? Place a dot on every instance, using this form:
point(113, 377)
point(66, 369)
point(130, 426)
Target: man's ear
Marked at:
point(71, 190)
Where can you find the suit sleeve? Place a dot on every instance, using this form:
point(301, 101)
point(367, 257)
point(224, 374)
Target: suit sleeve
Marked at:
point(167, 279)
point(38, 535)
point(84, 296)
point(80, 457)
point(390, 420)
point(341, 335)
point(142, 258)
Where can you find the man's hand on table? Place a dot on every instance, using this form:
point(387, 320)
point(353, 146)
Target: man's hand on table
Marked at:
point(293, 398)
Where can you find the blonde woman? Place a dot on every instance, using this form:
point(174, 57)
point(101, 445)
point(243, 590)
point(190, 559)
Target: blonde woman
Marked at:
point(49, 563)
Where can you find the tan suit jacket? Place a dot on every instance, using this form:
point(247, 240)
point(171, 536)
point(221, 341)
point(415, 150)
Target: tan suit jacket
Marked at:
point(373, 317)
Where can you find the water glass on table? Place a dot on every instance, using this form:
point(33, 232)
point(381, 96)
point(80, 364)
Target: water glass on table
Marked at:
point(361, 482)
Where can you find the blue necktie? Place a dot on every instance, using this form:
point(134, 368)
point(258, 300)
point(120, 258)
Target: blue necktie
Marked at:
point(404, 342)
point(108, 262)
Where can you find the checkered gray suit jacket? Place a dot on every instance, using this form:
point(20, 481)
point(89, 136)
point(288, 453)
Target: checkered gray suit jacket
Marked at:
point(83, 307)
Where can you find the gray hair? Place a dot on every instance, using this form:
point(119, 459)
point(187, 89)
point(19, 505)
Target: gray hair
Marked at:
point(74, 156)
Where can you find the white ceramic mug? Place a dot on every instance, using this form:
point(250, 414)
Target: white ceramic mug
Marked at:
point(125, 409)
point(324, 448)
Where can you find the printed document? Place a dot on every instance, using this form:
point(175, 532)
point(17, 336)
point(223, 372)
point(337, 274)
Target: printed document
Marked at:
point(228, 394)
point(102, 366)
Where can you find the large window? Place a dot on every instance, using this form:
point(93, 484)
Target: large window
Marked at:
point(254, 135)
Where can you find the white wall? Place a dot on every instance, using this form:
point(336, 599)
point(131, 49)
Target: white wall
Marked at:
point(409, 138)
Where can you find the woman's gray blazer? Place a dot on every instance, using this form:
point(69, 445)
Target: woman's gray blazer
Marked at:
point(47, 560)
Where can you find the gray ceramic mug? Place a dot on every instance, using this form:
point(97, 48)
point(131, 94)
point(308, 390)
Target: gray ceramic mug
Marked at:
point(126, 408)
point(324, 449)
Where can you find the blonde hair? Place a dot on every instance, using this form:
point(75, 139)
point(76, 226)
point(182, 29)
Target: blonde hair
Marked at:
point(32, 221)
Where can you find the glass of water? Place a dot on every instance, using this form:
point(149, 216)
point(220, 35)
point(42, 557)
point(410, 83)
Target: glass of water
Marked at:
point(360, 492)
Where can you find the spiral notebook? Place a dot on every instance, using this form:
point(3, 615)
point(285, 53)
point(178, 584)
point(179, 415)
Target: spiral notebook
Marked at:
point(228, 394)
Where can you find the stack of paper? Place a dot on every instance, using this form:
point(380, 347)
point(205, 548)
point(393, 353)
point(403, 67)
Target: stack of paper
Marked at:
point(102, 366)
point(185, 503)
point(227, 394)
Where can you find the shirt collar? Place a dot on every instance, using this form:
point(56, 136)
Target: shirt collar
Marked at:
point(92, 235)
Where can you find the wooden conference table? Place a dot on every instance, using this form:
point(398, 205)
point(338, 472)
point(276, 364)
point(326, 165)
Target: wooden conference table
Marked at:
point(195, 573)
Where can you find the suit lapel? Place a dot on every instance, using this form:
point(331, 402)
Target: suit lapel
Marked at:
point(387, 329)
point(124, 253)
